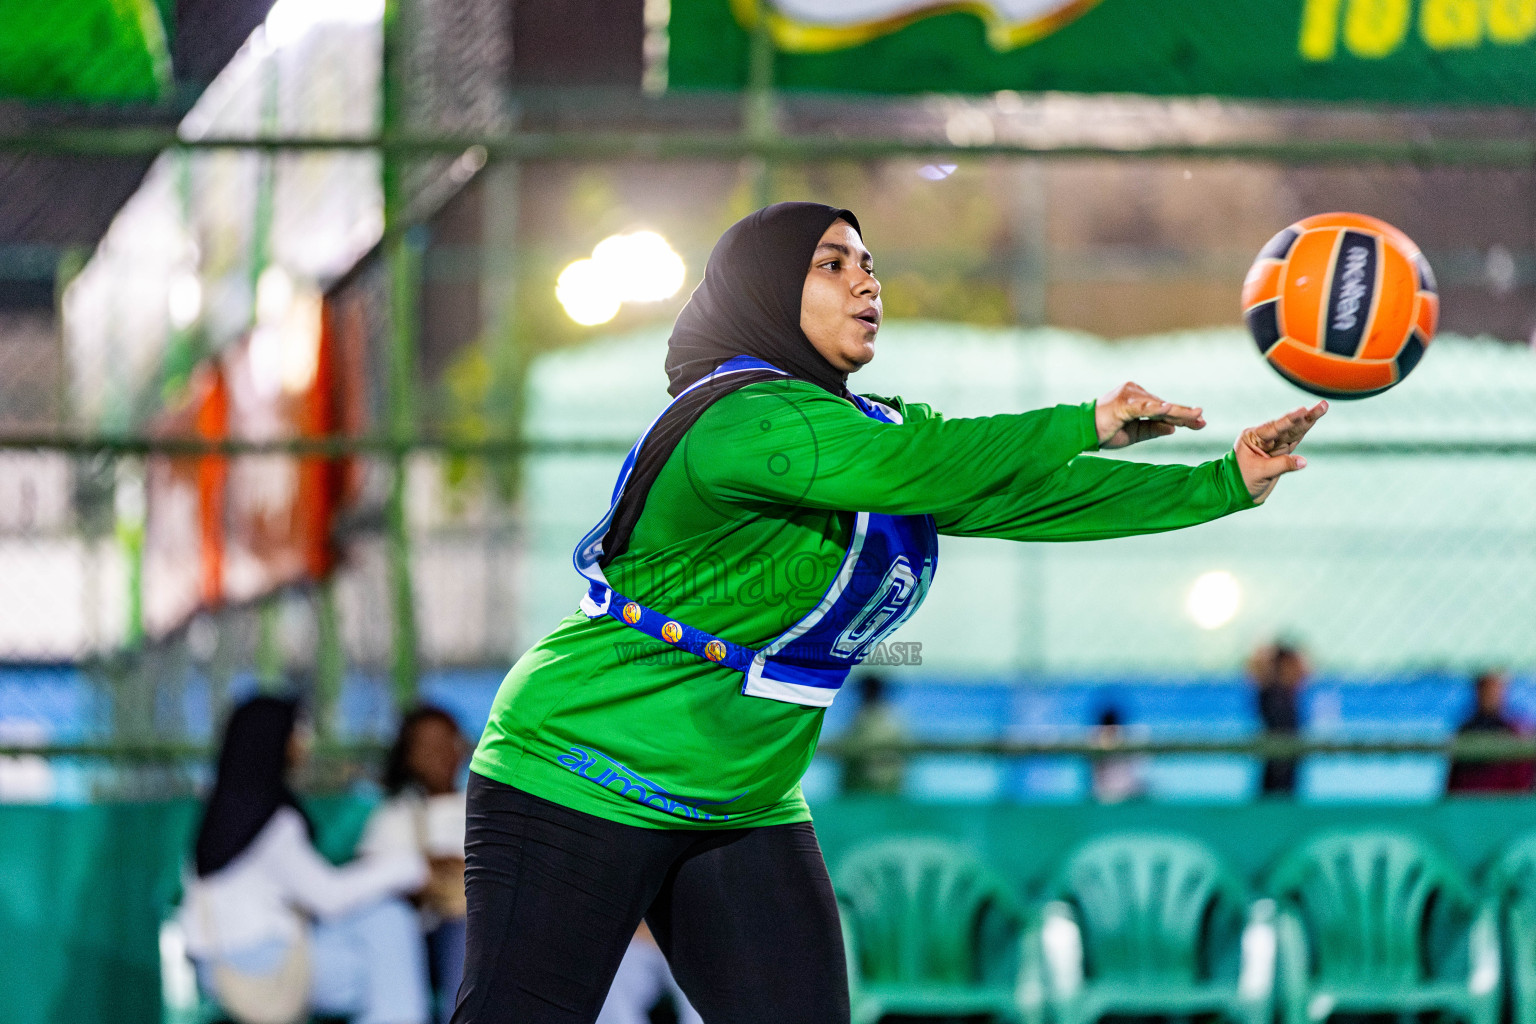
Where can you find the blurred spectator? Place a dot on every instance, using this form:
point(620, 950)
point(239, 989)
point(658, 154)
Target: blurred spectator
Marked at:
point(1279, 671)
point(424, 815)
point(870, 765)
point(259, 882)
point(1487, 717)
point(643, 982)
point(1117, 777)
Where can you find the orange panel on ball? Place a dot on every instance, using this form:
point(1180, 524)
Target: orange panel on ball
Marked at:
point(1427, 316)
point(1359, 222)
point(1308, 271)
point(1397, 287)
point(1331, 372)
point(1262, 283)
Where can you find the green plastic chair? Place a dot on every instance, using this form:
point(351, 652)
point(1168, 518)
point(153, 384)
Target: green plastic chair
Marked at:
point(1509, 884)
point(1513, 871)
point(1376, 921)
point(181, 1001)
point(1147, 924)
point(929, 932)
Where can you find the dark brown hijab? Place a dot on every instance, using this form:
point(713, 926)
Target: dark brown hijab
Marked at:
point(749, 300)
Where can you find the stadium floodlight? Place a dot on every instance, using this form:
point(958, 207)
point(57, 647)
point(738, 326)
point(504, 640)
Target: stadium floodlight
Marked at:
point(636, 267)
point(589, 296)
point(643, 266)
point(1213, 599)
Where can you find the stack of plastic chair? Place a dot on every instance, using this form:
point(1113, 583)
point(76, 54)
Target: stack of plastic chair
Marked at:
point(1380, 922)
point(1147, 924)
point(180, 1000)
point(929, 932)
point(1509, 885)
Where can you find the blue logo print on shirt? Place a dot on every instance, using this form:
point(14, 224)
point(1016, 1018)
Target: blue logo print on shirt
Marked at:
point(596, 766)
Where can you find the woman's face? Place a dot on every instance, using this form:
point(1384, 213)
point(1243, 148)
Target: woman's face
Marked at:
point(300, 743)
point(434, 754)
point(840, 305)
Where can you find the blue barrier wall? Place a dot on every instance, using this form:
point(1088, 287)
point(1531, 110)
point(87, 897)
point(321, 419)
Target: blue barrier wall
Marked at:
point(58, 704)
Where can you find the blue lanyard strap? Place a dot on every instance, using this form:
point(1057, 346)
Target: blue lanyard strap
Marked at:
point(597, 546)
point(677, 634)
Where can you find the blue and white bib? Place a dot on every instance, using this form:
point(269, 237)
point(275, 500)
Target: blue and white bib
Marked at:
point(884, 575)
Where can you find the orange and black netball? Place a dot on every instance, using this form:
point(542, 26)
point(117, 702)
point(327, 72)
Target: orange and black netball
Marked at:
point(1341, 304)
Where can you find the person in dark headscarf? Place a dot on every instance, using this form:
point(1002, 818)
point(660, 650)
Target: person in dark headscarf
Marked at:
point(749, 305)
point(251, 782)
point(768, 530)
point(268, 921)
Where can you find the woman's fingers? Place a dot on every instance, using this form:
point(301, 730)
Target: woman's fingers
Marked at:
point(1304, 422)
point(1150, 407)
point(1143, 430)
point(1282, 464)
point(1288, 430)
point(1125, 415)
point(1184, 416)
point(1273, 431)
point(1264, 452)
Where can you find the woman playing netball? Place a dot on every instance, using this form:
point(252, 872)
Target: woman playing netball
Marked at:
point(642, 761)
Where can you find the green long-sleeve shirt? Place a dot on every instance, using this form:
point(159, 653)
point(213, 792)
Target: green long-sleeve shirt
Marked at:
point(741, 533)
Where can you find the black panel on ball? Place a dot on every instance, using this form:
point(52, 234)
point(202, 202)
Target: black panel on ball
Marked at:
point(1264, 324)
point(1350, 294)
point(1277, 248)
point(1413, 351)
point(1426, 275)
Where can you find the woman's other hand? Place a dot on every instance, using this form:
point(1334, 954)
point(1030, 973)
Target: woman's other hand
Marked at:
point(1264, 452)
point(1130, 413)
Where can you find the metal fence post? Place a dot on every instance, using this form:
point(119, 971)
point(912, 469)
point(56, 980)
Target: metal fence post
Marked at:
point(403, 279)
point(759, 106)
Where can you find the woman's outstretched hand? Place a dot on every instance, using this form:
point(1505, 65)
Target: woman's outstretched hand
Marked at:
point(1264, 452)
point(1130, 413)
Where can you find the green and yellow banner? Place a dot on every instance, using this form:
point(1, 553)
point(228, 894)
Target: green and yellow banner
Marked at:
point(1397, 51)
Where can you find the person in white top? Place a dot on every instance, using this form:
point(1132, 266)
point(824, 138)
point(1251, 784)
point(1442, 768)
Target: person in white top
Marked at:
point(268, 920)
point(643, 980)
point(424, 813)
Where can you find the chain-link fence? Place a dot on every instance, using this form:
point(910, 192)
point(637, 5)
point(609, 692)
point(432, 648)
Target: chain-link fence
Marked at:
point(311, 416)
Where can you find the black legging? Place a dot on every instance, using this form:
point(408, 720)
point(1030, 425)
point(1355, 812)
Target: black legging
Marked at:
point(746, 917)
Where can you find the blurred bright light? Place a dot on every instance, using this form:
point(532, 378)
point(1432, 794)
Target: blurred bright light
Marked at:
point(285, 346)
point(290, 20)
point(184, 300)
point(643, 266)
point(266, 357)
point(635, 267)
point(301, 343)
point(1213, 599)
point(589, 296)
point(274, 294)
point(936, 172)
point(128, 500)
